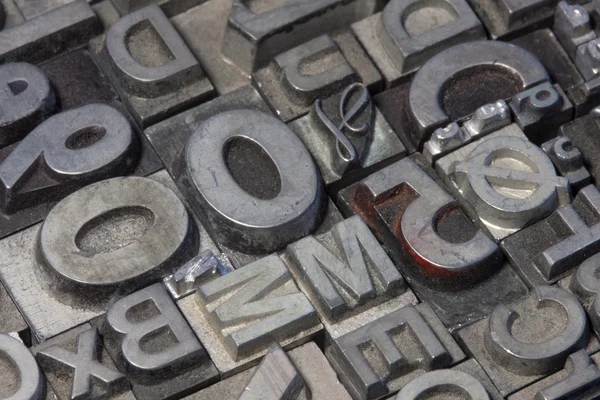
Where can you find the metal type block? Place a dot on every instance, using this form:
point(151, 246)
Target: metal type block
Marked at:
point(465, 381)
point(320, 379)
point(77, 81)
point(572, 26)
point(200, 269)
point(348, 276)
point(348, 137)
point(485, 120)
point(19, 373)
point(69, 269)
point(275, 378)
point(106, 12)
point(27, 98)
point(584, 134)
point(151, 67)
point(568, 161)
point(587, 59)
point(90, 143)
point(239, 315)
point(34, 8)
point(579, 379)
point(409, 32)
point(153, 345)
point(539, 111)
point(509, 18)
point(203, 29)
point(549, 250)
point(50, 34)
point(544, 45)
point(385, 355)
point(447, 261)
point(11, 320)
point(294, 80)
point(257, 192)
point(505, 181)
point(585, 97)
point(520, 344)
point(77, 366)
point(169, 7)
point(455, 83)
point(257, 31)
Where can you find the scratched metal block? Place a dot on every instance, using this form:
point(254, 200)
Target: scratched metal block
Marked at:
point(316, 69)
point(509, 18)
point(383, 356)
point(56, 292)
point(39, 39)
point(447, 261)
point(320, 380)
point(579, 379)
point(349, 144)
point(408, 32)
point(151, 67)
point(38, 190)
point(20, 375)
point(182, 142)
point(549, 250)
point(151, 343)
point(521, 343)
point(77, 365)
point(500, 190)
point(347, 276)
point(238, 316)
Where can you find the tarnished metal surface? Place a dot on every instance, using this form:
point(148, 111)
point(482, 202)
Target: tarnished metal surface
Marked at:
point(299, 199)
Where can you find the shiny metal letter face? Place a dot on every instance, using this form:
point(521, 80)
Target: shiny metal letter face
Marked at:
point(235, 217)
point(409, 32)
point(298, 77)
point(444, 380)
point(151, 66)
point(154, 346)
point(572, 26)
point(26, 383)
point(239, 315)
point(384, 355)
point(518, 68)
point(584, 283)
point(518, 346)
point(77, 147)
point(580, 379)
point(568, 161)
point(50, 34)
point(506, 180)
point(77, 366)
point(275, 378)
point(26, 99)
point(345, 272)
point(548, 250)
point(74, 263)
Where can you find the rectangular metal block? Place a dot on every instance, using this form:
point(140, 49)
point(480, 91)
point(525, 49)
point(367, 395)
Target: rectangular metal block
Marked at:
point(381, 357)
point(170, 7)
point(535, 336)
point(32, 8)
point(48, 35)
point(71, 358)
point(472, 287)
point(347, 276)
point(238, 316)
point(153, 70)
point(46, 315)
point(405, 35)
point(147, 162)
point(376, 145)
point(320, 379)
point(544, 45)
point(12, 12)
point(549, 250)
point(584, 133)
